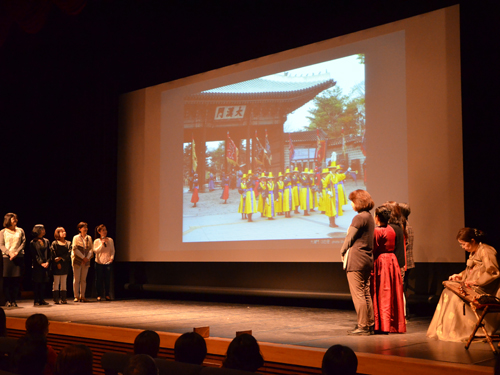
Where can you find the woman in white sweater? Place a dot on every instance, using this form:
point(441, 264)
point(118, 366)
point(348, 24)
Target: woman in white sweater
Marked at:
point(104, 250)
point(80, 258)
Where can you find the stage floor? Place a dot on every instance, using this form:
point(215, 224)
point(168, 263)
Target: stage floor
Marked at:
point(313, 327)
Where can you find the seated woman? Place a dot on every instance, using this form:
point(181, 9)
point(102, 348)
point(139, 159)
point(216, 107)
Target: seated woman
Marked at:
point(386, 282)
point(483, 274)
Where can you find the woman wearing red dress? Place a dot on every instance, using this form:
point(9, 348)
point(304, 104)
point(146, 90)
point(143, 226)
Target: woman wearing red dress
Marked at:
point(386, 283)
point(196, 185)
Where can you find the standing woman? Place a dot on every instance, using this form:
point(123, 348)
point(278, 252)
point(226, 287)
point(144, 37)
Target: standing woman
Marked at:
point(60, 261)
point(40, 260)
point(12, 241)
point(80, 257)
point(104, 250)
point(357, 255)
point(386, 282)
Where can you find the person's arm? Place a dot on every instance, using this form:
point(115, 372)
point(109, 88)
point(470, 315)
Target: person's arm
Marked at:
point(490, 265)
point(90, 253)
point(76, 247)
point(2, 243)
point(349, 240)
point(53, 254)
point(98, 245)
point(15, 252)
point(112, 250)
point(35, 254)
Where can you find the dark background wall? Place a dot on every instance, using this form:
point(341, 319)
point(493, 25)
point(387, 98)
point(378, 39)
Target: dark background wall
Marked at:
point(59, 92)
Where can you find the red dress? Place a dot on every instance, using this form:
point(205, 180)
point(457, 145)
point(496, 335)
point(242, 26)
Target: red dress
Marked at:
point(386, 283)
point(195, 198)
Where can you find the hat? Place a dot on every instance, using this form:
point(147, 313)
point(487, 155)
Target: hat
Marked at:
point(333, 165)
point(244, 175)
point(287, 171)
point(296, 170)
point(305, 170)
point(263, 175)
point(280, 174)
point(325, 170)
point(249, 172)
point(270, 175)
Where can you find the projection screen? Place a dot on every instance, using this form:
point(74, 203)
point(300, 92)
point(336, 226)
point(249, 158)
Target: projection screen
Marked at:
point(397, 134)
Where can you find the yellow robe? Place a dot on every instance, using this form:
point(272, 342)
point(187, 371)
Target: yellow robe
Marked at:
point(328, 196)
point(262, 188)
point(306, 196)
point(248, 203)
point(288, 200)
point(279, 202)
point(296, 191)
point(270, 204)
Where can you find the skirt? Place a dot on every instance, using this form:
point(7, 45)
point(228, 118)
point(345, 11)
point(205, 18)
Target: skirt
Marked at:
point(13, 268)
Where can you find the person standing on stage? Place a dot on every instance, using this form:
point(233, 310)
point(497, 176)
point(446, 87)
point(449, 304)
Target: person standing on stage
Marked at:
point(40, 260)
point(60, 251)
point(387, 285)
point(410, 261)
point(104, 250)
point(196, 185)
point(225, 188)
point(80, 257)
point(12, 242)
point(288, 205)
point(357, 256)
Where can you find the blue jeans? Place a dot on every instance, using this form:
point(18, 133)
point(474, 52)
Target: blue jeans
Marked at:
point(103, 278)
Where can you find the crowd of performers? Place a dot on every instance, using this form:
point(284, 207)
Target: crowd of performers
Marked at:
point(286, 194)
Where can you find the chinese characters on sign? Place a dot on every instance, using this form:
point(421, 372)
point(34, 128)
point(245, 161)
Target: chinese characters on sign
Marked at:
point(230, 112)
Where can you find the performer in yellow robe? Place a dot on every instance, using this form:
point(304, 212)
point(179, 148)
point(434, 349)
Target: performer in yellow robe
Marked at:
point(328, 196)
point(270, 205)
point(243, 195)
point(262, 192)
point(288, 201)
point(250, 203)
point(296, 183)
point(339, 186)
point(279, 198)
point(306, 199)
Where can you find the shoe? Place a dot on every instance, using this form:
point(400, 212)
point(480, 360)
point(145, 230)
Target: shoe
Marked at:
point(76, 299)
point(13, 304)
point(98, 299)
point(36, 304)
point(360, 332)
point(43, 303)
point(8, 304)
point(63, 297)
point(83, 299)
point(108, 298)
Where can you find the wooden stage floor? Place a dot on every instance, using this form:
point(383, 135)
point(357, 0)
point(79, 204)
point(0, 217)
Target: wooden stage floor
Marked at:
point(311, 327)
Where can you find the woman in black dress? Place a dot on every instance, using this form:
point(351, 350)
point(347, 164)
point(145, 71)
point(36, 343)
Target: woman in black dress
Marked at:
point(61, 262)
point(40, 258)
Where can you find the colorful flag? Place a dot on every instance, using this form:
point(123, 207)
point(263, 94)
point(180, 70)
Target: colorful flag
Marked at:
point(269, 156)
point(259, 151)
point(291, 149)
point(231, 151)
point(320, 149)
point(194, 160)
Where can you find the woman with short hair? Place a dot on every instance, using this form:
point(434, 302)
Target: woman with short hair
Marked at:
point(40, 259)
point(357, 255)
point(12, 242)
point(60, 256)
point(80, 257)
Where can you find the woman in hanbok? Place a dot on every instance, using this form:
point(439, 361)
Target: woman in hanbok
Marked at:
point(453, 319)
point(386, 282)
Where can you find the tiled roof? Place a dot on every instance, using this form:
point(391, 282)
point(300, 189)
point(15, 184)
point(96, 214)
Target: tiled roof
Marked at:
point(268, 87)
point(310, 136)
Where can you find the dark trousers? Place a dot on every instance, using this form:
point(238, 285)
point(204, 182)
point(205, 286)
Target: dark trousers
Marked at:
point(359, 285)
point(38, 291)
point(11, 288)
point(103, 279)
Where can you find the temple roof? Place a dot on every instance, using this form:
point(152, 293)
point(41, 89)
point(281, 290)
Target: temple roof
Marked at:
point(310, 136)
point(270, 87)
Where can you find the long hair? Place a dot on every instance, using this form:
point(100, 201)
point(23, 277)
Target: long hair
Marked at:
point(397, 217)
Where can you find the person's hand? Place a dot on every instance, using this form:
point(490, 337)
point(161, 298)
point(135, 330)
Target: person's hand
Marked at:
point(58, 259)
point(45, 265)
point(455, 277)
point(85, 260)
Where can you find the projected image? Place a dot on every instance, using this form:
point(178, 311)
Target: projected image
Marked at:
point(275, 157)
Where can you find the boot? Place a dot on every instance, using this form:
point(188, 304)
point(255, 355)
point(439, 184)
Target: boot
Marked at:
point(55, 295)
point(63, 297)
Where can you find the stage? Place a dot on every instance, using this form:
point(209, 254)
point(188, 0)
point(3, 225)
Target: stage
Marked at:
point(309, 327)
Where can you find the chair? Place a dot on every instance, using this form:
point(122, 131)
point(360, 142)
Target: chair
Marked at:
point(114, 363)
